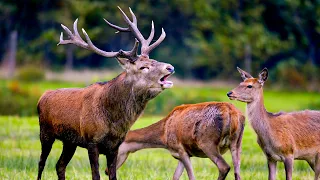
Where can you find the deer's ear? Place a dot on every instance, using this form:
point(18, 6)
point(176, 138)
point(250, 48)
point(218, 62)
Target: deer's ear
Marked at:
point(244, 74)
point(124, 62)
point(263, 76)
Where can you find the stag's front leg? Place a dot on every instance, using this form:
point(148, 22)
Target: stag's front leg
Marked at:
point(93, 153)
point(112, 164)
point(288, 164)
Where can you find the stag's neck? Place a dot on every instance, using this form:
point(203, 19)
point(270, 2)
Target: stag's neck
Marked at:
point(148, 137)
point(124, 102)
point(258, 116)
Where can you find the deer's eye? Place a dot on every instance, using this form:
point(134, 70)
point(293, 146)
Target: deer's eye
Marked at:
point(249, 86)
point(142, 68)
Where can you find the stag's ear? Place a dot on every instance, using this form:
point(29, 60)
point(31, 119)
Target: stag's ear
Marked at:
point(124, 62)
point(263, 76)
point(244, 74)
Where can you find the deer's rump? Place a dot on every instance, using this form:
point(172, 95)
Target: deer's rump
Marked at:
point(193, 125)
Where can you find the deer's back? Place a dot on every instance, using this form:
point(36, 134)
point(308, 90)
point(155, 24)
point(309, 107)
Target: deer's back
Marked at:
point(190, 125)
point(298, 131)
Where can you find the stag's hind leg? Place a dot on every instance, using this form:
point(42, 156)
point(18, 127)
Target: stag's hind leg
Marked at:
point(46, 140)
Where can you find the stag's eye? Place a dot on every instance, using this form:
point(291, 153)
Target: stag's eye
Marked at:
point(249, 86)
point(142, 68)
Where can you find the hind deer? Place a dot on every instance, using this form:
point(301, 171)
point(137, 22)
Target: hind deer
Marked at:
point(98, 117)
point(200, 130)
point(282, 136)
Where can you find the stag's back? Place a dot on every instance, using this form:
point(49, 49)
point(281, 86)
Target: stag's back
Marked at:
point(67, 113)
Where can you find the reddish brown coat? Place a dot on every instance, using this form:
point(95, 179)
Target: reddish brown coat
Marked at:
point(282, 136)
point(200, 130)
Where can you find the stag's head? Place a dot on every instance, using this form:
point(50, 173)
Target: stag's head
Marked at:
point(140, 69)
point(251, 88)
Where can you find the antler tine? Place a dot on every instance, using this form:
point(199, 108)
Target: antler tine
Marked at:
point(155, 44)
point(97, 50)
point(75, 28)
point(76, 39)
point(151, 33)
point(117, 27)
point(133, 27)
point(133, 54)
point(134, 18)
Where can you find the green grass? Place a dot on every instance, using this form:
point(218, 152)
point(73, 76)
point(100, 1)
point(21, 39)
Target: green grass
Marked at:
point(20, 147)
point(20, 150)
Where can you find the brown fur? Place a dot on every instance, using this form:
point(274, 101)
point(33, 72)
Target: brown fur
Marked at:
point(282, 136)
point(200, 130)
point(99, 116)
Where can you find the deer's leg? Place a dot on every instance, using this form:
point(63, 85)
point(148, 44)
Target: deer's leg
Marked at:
point(236, 154)
point(185, 159)
point(120, 160)
point(112, 164)
point(66, 155)
point(222, 165)
point(316, 167)
point(93, 153)
point(288, 164)
point(272, 167)
point(178, 172)
point(212, 151)
point(46, 145)
point(311, 164)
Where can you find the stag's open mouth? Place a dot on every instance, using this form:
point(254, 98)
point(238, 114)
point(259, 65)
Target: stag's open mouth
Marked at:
point(165, 83)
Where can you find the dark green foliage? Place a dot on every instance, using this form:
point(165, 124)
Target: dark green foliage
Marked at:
point(292, 74)
point(205, 38)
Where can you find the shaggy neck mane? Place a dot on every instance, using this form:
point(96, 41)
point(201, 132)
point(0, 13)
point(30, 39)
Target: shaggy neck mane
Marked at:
point(123, 102)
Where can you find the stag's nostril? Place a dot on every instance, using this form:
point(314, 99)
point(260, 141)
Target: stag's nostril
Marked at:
point(229, 93)
point(170, 69)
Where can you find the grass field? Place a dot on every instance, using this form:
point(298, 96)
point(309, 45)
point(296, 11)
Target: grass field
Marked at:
point(20, 148)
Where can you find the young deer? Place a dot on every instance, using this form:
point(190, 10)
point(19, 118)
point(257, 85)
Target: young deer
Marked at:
point(282, 136)
point(200, 130)
point(98, 117)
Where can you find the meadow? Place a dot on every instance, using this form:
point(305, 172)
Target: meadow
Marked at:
point(20, 146)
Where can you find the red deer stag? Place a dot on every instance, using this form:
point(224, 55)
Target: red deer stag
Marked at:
point(282, 136)
point(98, 117)
point(200, 130)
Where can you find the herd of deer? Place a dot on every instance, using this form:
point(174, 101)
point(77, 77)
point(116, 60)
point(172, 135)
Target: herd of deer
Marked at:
point(98, 118)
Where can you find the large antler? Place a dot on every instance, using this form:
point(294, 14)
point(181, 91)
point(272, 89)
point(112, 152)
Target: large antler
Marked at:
point(76, 39)
point(133, 27)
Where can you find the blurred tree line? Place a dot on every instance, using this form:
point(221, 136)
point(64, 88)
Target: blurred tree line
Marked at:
point(205, 38)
